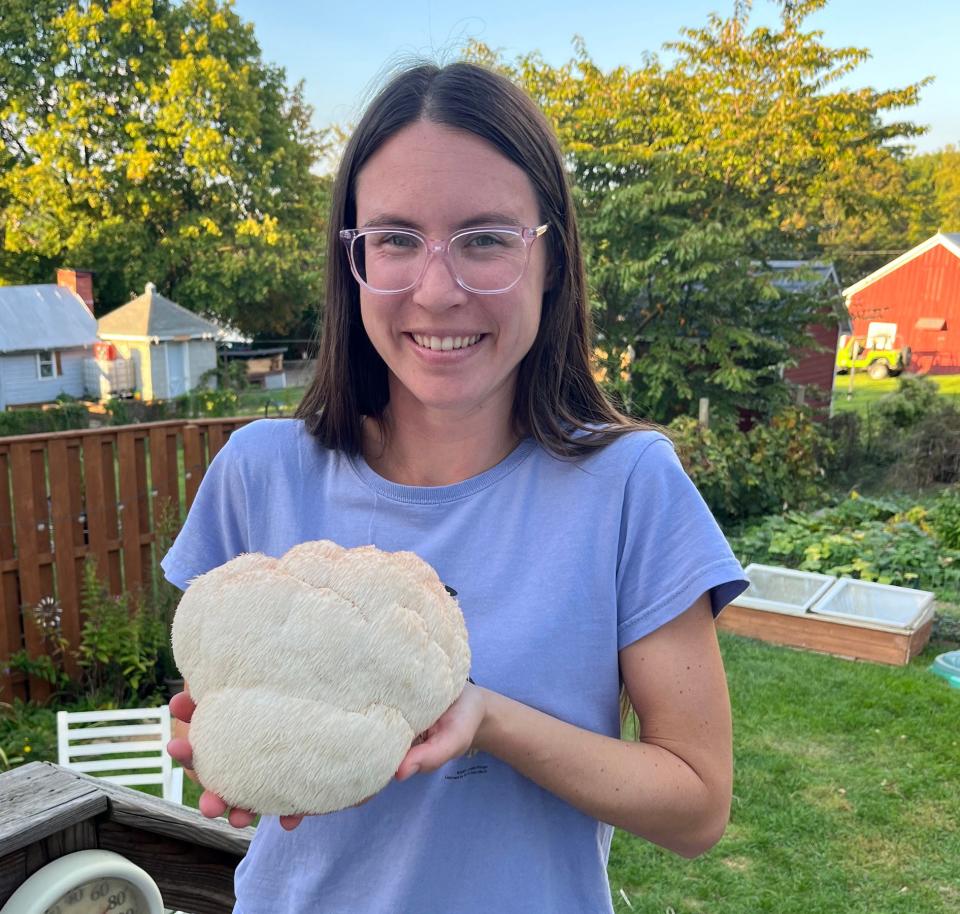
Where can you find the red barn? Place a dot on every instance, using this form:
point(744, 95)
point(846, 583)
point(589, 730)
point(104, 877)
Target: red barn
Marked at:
point(914, 301)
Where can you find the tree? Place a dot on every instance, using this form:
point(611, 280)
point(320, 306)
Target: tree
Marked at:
point(934, 188)
point(147, 140)
point(691, 177)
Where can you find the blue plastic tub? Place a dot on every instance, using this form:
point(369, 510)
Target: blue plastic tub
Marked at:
point(948, 666)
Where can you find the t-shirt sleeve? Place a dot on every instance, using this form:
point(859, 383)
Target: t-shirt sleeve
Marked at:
point(215, 530)
point(671, 549)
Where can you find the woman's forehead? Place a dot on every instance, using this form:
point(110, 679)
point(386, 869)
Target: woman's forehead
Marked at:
point(434, 177)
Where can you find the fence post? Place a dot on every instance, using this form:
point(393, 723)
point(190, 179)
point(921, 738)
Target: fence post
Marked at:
point(704, 417)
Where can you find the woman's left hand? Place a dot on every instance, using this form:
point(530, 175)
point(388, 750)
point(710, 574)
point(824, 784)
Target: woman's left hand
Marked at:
point(453, 735)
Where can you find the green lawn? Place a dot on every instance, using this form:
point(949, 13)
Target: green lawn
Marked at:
point(866, 392)
point(847, 795)
point(270, 402)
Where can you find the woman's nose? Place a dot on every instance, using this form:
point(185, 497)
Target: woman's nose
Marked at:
point(438, 288)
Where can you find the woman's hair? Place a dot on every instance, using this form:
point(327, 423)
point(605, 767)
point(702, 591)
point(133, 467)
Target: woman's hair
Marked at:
point(557, 400)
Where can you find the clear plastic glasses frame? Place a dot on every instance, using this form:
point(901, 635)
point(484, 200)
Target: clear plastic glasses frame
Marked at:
point(438, 247)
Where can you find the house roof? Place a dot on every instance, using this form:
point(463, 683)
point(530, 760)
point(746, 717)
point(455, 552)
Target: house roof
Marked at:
point(151, 316)
point(949, 240)
point(802, 275)
point(44, 317)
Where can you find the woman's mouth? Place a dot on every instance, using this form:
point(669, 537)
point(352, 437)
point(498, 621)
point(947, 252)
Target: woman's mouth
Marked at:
point(446, 343)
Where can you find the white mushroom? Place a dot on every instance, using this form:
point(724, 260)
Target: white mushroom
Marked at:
point(313, 673)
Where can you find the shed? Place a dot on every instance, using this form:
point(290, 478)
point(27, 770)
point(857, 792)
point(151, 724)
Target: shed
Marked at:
point(171, 347)
point(815, 367)
point(46, 332)
point(915, 301)
point(50, 812)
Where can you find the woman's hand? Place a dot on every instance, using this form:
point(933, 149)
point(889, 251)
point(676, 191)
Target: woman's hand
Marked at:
point(453, 735)
point(182, 707)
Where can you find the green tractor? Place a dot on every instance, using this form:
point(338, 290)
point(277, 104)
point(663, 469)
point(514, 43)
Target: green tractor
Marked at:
point(872, 354)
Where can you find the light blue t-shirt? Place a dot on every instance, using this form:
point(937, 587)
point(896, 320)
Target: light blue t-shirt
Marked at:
point(557, 566)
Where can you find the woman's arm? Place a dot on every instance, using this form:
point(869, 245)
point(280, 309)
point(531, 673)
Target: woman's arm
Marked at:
point(674, 786)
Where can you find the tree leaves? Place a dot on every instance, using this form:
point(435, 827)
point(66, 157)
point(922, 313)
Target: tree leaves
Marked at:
point(147, 140)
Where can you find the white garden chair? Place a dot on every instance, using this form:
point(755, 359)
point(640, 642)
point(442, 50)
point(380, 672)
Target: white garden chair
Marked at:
point(106, 743)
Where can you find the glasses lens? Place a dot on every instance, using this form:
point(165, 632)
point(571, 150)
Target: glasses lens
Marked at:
point(489, 260)
point(388, 261)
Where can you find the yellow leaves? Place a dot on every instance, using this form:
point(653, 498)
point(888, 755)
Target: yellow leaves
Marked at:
point(139, 162)
point(211, 227)
point(218, 22)
point(264, 228)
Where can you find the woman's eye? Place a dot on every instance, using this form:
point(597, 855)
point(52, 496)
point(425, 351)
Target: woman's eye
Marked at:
point(400, 241)
point(484, 241)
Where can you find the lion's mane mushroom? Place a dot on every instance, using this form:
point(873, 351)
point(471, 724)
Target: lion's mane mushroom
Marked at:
point(313, 673)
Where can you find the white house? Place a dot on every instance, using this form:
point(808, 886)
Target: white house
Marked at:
point(46, 332)
point(170, 346)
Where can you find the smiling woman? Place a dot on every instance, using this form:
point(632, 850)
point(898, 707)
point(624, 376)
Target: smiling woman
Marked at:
point(454, 414)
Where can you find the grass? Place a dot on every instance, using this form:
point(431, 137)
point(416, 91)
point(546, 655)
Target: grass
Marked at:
point(866, 392)
point(280, 402)
point(846, 795)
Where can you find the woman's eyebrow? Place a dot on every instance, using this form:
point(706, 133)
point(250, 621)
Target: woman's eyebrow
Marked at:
point(491, 217)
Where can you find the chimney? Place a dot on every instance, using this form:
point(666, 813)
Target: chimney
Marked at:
point(79, 281)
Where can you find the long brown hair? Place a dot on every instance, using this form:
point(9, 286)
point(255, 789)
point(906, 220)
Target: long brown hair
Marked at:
point(557, 400)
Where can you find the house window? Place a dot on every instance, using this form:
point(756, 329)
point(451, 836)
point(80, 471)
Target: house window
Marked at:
point(48, 364)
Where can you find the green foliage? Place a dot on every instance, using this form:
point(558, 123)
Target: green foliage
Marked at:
point(150, 140)
point(198, 403)
point(229, 374)
point(58, 418)
point(766, 469)
point(885, 540)
point(915, 399)
point(933, 201)
point(945, 518)
point(120, 642)
point(690, 177)
point(907, 437)
point(28, 732)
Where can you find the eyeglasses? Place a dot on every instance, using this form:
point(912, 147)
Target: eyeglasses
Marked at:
point(485, 260)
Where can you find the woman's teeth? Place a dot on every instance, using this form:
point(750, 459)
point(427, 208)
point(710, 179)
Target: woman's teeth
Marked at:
point(447, 342)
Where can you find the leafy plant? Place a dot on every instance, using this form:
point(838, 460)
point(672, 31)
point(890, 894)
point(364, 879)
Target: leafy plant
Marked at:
point(945, 518)
point(765, 469)
point(870, 539)
point(120, 642)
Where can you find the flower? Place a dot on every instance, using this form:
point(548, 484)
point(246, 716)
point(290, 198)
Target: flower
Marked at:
point(27, 749)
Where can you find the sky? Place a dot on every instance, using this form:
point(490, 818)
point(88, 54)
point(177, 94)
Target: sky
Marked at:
point(343, 49)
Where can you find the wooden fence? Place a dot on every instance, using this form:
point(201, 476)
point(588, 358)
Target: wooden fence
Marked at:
point(93, 492)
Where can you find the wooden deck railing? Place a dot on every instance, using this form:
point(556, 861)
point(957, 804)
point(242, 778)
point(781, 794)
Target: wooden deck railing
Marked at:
point(93, 492)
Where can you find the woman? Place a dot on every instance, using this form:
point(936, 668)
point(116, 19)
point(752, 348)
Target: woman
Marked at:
point(454, 414)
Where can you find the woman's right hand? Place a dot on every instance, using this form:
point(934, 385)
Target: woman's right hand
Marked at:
point(182, 707)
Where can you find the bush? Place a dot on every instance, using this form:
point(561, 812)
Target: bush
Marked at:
point(945, 518)
point(199, 403)
point(120, 643)
point(930, 452)
point(56, 418)
point(766, 469)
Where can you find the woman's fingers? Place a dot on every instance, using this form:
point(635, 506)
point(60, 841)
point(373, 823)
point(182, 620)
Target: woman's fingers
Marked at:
point(241, 818)
point(289, 823)
point(211, 805)
point(180, 749)
point(182, 706)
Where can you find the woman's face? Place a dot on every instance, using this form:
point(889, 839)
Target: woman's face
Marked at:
point(438, 180)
